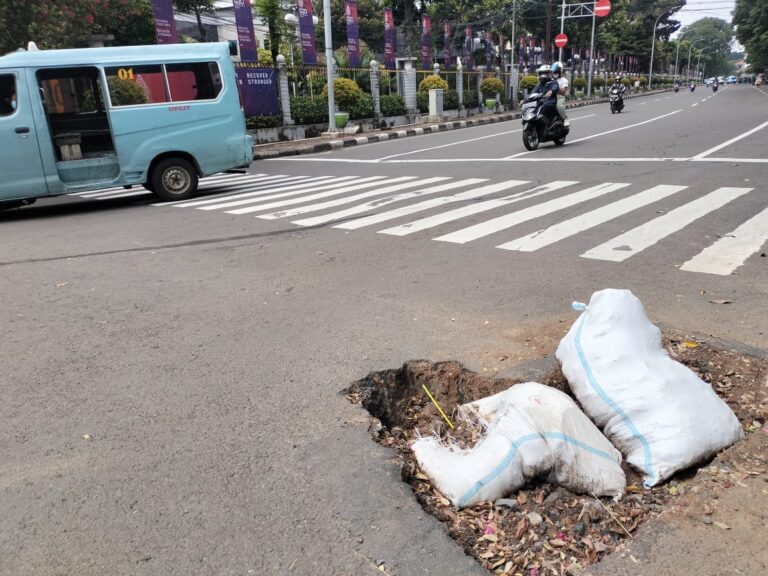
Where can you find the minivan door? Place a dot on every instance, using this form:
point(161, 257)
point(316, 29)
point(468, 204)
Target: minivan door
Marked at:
point(20, 163)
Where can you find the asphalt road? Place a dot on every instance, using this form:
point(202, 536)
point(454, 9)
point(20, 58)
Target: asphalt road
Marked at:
point(170, 398)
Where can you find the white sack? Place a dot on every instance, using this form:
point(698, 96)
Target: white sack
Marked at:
point(531, 430)
point(655, 410)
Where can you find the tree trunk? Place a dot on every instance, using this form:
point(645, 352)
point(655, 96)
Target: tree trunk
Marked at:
point(200, 27)
point(408, 6)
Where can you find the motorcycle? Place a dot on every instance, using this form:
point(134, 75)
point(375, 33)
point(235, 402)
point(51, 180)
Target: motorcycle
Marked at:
point(677, 88)
point(714, 87)
point(693, 86)
point(617, 102)
point(541, 124)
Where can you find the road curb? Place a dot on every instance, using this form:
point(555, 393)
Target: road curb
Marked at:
point(395, 134)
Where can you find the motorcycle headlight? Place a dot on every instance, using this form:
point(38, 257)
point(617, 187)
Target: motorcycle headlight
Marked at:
point(528, 114)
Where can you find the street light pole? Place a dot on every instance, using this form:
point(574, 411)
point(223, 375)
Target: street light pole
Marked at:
point(562, 29)
point(653, 45)
point(677, 55)
point(329, 66)
point(688, 70)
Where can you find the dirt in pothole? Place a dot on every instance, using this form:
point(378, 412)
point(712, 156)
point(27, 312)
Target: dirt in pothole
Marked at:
point(543, 529)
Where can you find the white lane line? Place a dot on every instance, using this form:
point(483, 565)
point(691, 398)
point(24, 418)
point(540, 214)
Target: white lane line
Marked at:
point(657, 100)
point(125, 194)
point(233, 191)
point(642, 103)
point(459, 213)
point(733, 160)
point(704, 99)
point(568, 228)
point(386, 158)
point(280, 191)
point(513, 219)
point(408, 183)
point(539, 159)
point(638, 239)
point(732, 250)
point(694, 104)
point(610, 131)
point(368, 206)
point(429, 204)
point(350, 200)
point(731, 141)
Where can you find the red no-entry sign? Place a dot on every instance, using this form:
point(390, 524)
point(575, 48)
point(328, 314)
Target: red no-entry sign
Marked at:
point(602, 7)
point(561, 40)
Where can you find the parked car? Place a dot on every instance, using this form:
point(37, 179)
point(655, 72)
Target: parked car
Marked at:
point(731, 80)
point(708, 81)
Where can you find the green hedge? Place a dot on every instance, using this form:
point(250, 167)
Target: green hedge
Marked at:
point(362, 108)
point(422, 102)
point(451, 100)
point(268, 121)
point(432, 83)
point(528, 82)
point(491, 86)
point(470, 99)
point(304, 110)
point(392, 105)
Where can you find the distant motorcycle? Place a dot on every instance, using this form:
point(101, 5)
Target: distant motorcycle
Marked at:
point(693, 86)
point(541, 123)
point(714, 87)
point(677, 87)
point(617, 102)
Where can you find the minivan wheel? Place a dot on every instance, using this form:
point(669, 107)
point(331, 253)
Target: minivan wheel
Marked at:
point(174, 179)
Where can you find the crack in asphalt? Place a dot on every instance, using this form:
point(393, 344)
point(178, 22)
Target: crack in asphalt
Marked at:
point(163, 246)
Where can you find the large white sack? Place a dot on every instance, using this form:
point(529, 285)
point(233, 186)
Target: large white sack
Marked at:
point(655, 410)
point(530, 430)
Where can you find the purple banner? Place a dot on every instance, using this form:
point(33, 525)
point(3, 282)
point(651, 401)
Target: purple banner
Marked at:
point(258, 91)
point(468, 49)
point(245, 35)
point(353, 32)
point(307, 31)
point(389, 38)
point(521, 55)
point(447, 44)
point(531, 53)
point(165, 25)
point(489, 49)
point(426, 42)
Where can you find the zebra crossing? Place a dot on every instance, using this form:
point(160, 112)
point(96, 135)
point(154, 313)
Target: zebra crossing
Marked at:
point(405, 205)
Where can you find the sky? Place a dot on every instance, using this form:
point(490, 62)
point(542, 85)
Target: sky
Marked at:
point(696, 9)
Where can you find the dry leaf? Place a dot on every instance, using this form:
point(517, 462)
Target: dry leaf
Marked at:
point(721, 525)
point(690, 344)
point(720, 301)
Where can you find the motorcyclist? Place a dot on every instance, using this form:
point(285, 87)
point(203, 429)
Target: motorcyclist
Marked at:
point(548, 89)
point(562, 82)
point(617, 85)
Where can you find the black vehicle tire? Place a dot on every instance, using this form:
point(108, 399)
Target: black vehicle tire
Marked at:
point(148, 186)
point(559, 141)
point(174, 179)
point(530, 139)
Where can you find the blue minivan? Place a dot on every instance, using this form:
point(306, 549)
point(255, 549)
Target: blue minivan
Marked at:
point(87, 119)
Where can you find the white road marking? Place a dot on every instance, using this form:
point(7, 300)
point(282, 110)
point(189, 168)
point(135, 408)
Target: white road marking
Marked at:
point(610, 131)
point(694, 104)
point(638, 239)
point(362, 208)
point(513, 219)
point(257, 189)
point(731, 141)
point(567, 228)
point(125, 194)
point(429, 204)
point(342, 190)
point(642, 103)
point(280, 192)
point(734, 160)
point(731, 251)
point(459, 213)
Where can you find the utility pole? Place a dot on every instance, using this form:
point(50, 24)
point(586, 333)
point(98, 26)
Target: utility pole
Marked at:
point(548, 41)
point(329, 66)
point(591, 56)
point(562, 29)
point(677, 55)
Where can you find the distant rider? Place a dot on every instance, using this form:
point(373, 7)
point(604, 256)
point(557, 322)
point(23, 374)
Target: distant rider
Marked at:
point(617, 85)
point(562, 82)
point(548, 88)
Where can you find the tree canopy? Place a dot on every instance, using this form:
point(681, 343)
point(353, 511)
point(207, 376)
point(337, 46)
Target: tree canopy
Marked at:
point(751, 21)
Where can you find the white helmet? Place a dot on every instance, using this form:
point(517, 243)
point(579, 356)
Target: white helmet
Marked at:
point(544, 71)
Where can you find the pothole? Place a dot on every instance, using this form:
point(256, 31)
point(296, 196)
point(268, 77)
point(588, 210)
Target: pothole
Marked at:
point(543, 529)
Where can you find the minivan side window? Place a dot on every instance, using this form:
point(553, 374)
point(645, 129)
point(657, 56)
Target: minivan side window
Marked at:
point(130, 85)
point(194, 81)
point(7, 94)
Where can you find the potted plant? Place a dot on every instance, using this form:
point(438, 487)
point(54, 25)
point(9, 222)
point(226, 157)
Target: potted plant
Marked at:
point(346, 94)
point(490, 87)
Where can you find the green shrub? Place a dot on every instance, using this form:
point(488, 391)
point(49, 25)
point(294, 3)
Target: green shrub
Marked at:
point(432, 82)
point(126, 92)
point(451, 100)
point(392, 105)
point(363, 108)
point(491, 86)
point(528, 82)
point(598, 82)
point(346, 92)
point(470, 99)
point(422, 102)
point(304, 110)
point(579, 83)
point(268, 121)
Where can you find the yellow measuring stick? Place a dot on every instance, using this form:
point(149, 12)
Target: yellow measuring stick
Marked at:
point(437, 406)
